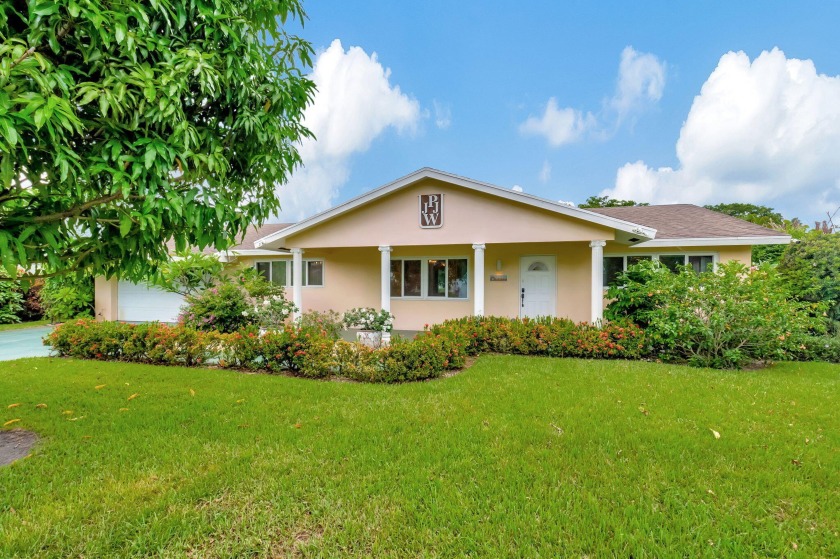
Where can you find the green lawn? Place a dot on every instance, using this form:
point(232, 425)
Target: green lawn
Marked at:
point(23, 325)
point(515, 457)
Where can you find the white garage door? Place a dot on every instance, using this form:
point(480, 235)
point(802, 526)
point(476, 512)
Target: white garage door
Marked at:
point(140, 303)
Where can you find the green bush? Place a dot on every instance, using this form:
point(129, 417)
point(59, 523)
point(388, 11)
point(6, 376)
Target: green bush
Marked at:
point(329, 323)
point(812, 268)
point(724, 319)
point(157, 344)
point(11, 301)
point(232, 305)
point(223, 308)
point(820, 348)
point(67, 297)
point(556, 337)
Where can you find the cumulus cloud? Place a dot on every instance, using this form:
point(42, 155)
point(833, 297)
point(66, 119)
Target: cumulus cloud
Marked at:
point(641, 81)
point(545, 172)
point(764, 131)
point(517, 188)
point(558, 126)
point(443, 114)
point(355, 103)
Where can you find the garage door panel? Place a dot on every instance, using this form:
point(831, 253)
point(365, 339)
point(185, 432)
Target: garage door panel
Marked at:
point(140, 303)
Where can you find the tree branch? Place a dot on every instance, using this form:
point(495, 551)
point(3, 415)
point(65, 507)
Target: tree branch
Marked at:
point(78, 210)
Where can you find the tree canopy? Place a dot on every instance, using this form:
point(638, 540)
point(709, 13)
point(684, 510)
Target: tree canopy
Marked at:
point(607, 202)
point(127, 123)
point(760, 215)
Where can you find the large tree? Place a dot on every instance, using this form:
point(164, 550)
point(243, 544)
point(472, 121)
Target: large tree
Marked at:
point(127, 123)
point(607, 202)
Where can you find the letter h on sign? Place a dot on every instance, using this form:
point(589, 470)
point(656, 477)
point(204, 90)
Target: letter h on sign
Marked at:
point(431, 211)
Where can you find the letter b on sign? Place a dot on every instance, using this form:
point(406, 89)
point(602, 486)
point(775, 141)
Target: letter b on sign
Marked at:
point(431, 211)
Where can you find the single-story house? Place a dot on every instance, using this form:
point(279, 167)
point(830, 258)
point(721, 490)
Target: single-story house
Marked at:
point(432, 245)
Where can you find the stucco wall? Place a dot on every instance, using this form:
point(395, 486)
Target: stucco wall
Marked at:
point(352, 276)
point(468, 217)
point(105, 298)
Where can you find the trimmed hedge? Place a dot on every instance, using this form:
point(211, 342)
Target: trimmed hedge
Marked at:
point(554, 337)
point(307, 352)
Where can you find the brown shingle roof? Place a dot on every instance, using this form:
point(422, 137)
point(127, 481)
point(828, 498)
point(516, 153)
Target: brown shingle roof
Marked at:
point(687, 221)
point(247, 243)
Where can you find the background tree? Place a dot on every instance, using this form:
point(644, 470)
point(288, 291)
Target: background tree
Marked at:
point(766, 217)
point(126, 123)
point(189, 273)
point(607, 202)
point(812, 267)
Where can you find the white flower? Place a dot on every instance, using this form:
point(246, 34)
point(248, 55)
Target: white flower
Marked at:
point(277, 297)
point(266, 303)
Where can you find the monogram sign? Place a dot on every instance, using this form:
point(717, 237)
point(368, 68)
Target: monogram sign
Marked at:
point(431, 211)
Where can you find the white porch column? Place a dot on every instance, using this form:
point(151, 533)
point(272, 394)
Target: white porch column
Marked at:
point(385, 275)
point(597, 280)
point(297, 281)
point(385, 280)
point(478, 280)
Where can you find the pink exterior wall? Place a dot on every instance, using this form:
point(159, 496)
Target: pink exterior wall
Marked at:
point(468, 217)
point(105, 298)
point(352, 276)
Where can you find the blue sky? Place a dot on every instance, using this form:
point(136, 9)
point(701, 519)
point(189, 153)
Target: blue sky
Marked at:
point(466, 77)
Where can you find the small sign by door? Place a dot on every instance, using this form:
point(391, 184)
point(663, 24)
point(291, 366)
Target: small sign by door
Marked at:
point(431, 211)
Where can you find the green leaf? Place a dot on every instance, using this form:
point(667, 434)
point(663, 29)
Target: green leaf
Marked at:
point(150, 156)
point(125, 225)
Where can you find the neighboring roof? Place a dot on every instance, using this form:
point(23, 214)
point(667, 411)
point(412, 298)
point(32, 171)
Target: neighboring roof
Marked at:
point(687, 224)
point(630, 229)
point(253, 234)
point(246, 244)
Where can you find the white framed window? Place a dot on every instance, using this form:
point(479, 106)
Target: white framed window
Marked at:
point(281, 272)
point(430, 278)
point(614, 264)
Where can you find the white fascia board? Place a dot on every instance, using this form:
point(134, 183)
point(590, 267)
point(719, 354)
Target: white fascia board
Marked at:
point(258, 252)
point(427, 173)
point(715, 241)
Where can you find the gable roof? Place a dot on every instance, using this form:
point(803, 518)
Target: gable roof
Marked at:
point(629, 229)
point(246, 243)
point(687, 225)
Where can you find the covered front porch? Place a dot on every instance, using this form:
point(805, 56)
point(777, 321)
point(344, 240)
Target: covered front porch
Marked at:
point(429, 284)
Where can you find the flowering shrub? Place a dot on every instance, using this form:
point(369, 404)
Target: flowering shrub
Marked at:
point(269, 311)
point(556, 337)
point(367, 318)
point(223, 308)
point(157, 344)
point(329, 323)
point(723, 319)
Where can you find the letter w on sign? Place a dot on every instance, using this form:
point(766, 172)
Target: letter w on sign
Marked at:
point(431, 211)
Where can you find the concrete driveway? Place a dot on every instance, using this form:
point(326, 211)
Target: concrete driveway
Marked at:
point(15, 344)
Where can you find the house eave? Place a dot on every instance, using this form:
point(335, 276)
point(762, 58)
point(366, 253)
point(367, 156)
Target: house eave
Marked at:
point(715, 241)
point(280, 237)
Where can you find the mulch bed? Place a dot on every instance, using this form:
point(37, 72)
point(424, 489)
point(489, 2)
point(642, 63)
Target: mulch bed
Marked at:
point(15, 444)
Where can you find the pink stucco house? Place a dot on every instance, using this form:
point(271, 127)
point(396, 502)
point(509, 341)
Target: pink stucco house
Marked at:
point(431, 246)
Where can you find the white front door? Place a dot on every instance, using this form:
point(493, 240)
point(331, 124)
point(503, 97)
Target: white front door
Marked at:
point(537, 286)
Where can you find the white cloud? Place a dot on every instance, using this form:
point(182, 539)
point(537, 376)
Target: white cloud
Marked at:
point(766, 131)
point(641, 81)
point(443, 115)
point(355, 103)
point(517, 188)
point(545, 172)
point(559, 126)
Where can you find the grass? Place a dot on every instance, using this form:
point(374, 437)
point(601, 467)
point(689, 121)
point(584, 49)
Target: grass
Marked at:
point(24, 325)
point(515, 457)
